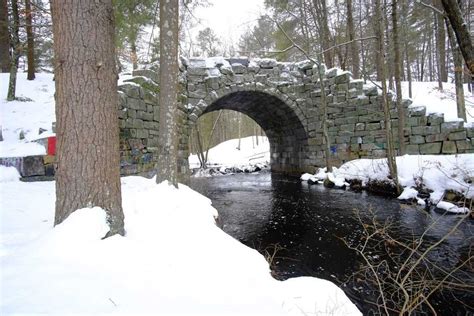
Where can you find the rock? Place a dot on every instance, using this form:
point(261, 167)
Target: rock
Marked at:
point(238, 68)
point(21, 136)
point(343, 78)
point(451, 126)
point(430, 148)
point(267, 63)
point(328, 183)
point(242, 61)
point(449, 147)
point(32, 166)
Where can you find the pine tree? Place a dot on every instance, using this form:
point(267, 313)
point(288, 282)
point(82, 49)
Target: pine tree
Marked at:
point(88, 171)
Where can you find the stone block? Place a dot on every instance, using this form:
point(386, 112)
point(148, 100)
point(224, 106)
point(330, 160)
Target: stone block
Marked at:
point(425, 130)
point(345, 77)
point(360, 127)
point(371, 91)
point(412, 149)
point(372, 126)
point(435, 119)
point(436, 137)
point(463, 146)
point(452, 126)
point(430, 148)
point(417, 139)
point(457, 135)
point(417, 111)
point(32, 166)
point(449, 147)
point(238, 68)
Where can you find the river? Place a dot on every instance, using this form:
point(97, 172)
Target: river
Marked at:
point(303, 227)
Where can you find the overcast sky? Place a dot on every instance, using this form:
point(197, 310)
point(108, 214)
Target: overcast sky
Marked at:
point(229, 18)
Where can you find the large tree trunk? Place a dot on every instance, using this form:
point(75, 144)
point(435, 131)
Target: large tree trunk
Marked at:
point(30, 41)
point(454, 14)
point(391, 158)
point(88, 170)
point(4, 38)
point(353, 45)
point(15, 53)
point(458, 73)
point(168, 139)
point(398, 85)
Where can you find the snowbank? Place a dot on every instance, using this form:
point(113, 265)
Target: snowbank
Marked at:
point(9, 174)
point(434, 173)
point(173, 260)
point(226, 154)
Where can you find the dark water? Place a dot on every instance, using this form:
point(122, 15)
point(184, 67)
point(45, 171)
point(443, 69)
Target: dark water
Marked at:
point(305, 225)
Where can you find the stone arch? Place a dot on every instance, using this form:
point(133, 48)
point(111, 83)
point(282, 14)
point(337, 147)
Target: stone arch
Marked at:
point(282, 122)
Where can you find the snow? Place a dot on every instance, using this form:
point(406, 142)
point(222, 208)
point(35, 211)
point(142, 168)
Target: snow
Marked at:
point(26, 116)
point(8, 174)
point(227, 155)
point(427, 94)
point(173, 260)
point(437, 173)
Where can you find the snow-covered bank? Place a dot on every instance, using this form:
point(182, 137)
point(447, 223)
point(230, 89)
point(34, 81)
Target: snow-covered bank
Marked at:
point(228, 155)
point(37, 111)
point(417, 174)
point(173, 260)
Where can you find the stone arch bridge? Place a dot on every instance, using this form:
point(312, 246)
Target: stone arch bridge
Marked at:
point(285, 100)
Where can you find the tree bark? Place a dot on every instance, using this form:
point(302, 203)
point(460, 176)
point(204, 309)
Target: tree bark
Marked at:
point(4, 38)
point(441, 43)
point(454, 14)
point(458, 73)
point(15, 52)
point(397, 76)
point(391, 158)
point(88, 170)
point(168, 139)
point(353, 46)
point(405, 46)
point(30, 41)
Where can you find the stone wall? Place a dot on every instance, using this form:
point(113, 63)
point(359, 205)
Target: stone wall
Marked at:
point(285, 100)
point(139, 115)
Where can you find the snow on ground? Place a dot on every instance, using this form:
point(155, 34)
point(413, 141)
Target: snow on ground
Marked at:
point(173, 260)
point(226, 154)
point(26, 116)
point(427, 94)
point(437, 173)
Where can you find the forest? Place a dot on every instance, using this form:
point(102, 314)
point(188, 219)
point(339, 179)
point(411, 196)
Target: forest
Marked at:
point(420, 44)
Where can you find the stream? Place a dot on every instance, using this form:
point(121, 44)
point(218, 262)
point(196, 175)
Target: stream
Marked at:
point(303, 227)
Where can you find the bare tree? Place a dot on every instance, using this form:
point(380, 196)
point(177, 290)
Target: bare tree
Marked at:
point(4, 38)
point(168, 139)
point(454, 14)
point(458, 73)
point(15, 52)
point(397, 77)
point(391, 157)
point(30, 40)
point(88, 171)
point(353, 46)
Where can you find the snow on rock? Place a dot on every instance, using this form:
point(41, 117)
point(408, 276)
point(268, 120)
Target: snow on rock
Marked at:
point(306, 176)
point(436, 173)
point(173, 260)
point(9, 174)
point(408, 193)
point(451, 208)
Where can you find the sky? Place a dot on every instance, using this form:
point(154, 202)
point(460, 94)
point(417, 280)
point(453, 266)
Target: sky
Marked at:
point(229, 18)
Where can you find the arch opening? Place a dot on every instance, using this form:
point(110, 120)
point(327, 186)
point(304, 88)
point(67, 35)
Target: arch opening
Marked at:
point(285, 131)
